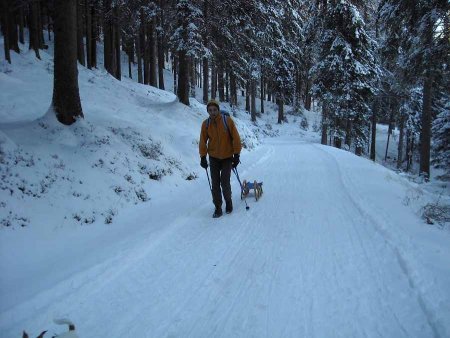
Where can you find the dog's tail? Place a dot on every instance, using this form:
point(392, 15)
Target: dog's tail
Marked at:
point(64, 321)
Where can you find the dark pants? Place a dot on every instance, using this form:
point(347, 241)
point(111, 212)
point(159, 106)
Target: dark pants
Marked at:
point(220, 176)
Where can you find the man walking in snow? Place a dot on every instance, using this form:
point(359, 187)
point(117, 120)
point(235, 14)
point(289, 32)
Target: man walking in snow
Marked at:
point(219, 139)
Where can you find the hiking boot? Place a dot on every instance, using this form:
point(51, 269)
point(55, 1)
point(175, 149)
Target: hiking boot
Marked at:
point(217, 213)
point(229, 207)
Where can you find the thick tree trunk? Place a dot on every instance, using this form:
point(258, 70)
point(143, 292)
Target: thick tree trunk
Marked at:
point(80, 29)
point(66, 97)
point(183, 78)
point(4, 27)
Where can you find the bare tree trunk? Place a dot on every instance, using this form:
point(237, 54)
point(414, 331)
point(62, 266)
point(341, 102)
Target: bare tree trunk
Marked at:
point(34, 32)
point(139, 57)
point(192, 77)
point(21, 24)
point(40, 28)
point(213, 80)
point(87, 11)
point(262, 94)
point(227, 85)
point(391, 121)
point(233, 90)
point(425, 133)
point(308, 95)
point(253, 99)
point(107, 36)
point(348, 133)
point(4, 24)
point(94, 38)
point(401, 142)
point(161, 48)
point(205, 80)
point(161, 62)
point(152, 54)
point(117, 44)
point(130, 53)
point(220, 81)
point(183, 78)
point(280, 109)
point(12, 29)
point(247, 96)
point(175, 74)
point(374, 131)
point(66, 97)
point(80, 45)
point(324, 139)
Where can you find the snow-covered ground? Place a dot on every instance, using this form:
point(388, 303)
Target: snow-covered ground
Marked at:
point(108, 223)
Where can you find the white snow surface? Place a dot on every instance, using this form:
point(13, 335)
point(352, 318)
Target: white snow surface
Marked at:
point(334, 248)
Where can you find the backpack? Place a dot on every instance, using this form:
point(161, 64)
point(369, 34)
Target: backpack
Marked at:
point(224, 115)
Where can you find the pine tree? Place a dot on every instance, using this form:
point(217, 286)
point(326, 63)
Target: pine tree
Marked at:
point(346, 75)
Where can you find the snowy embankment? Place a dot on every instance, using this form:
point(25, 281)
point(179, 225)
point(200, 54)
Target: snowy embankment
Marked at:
point(334, 248)
point(132, 137)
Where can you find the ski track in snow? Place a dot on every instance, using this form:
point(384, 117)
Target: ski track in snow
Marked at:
point(320, 267)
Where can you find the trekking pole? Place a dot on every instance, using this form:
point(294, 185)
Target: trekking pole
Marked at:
point(210, 188)
point(242, 188)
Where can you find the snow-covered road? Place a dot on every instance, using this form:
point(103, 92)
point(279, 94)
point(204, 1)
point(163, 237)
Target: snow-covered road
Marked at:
point(328, 251)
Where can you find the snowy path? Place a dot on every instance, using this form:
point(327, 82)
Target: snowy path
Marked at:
point(310, 259)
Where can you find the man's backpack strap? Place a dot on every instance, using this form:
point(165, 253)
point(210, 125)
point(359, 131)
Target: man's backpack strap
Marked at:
point(225, 122)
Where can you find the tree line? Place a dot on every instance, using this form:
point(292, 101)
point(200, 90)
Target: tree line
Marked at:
point(360, 61)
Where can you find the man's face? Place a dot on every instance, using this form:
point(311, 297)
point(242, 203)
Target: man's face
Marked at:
point(213, 110)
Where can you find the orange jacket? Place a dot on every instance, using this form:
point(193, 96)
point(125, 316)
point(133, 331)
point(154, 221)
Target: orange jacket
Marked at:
point(215, 140)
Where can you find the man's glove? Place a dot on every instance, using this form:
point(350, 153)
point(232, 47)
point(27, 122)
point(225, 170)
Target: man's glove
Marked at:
point(203, 162)
point(235, 160)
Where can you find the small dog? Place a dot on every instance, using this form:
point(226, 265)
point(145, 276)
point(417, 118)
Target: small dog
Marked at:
point(69, 334)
